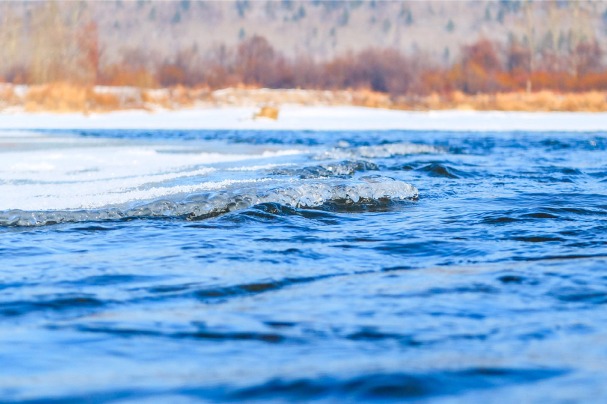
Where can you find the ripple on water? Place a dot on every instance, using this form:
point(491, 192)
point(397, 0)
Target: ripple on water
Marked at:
point(58, 303)
point(321, 275)
point(395, 385)
point(442, 170)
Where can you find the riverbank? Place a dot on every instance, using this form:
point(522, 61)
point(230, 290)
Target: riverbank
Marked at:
point(65, 98)
point(311, 118)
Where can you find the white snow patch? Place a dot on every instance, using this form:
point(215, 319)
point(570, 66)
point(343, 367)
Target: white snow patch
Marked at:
point(314, 118)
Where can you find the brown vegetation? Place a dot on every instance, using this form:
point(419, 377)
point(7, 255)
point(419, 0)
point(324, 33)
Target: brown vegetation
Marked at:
point(63, 97)
point(267, 112)
point(511, 101)
point(484, 67)
point(8, 98)
point(65, 73)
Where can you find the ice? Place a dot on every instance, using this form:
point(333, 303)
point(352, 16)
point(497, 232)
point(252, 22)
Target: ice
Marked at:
point(366, 190)
point(77, 173)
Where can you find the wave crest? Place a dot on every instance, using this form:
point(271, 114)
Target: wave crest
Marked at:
point(347, 193)
point(343, 168)
point(378, 151)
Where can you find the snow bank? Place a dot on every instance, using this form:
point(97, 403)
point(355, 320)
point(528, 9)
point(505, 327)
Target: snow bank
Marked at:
point(314, 118)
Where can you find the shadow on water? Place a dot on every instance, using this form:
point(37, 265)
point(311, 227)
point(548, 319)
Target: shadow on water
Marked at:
point(375, 386)
point(19, 308)
point(395, 385)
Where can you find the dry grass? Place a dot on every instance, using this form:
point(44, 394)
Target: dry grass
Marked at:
point(372, 99)
point(251, 97)
point(8, 98)
point(57, 97)
point(66, 98)
point(267, 112)
point(593, 101)
point(63, 98)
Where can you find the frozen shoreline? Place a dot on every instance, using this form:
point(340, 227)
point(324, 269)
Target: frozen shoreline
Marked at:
point(313, 118)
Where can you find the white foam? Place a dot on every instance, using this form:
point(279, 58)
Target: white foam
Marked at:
point(381, 151)
point(367, 188)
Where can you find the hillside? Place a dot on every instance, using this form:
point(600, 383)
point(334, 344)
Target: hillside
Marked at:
point(404, 50)
point(322, 29)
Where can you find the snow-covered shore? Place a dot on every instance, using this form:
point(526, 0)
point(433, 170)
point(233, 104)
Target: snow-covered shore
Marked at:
point(313, 118)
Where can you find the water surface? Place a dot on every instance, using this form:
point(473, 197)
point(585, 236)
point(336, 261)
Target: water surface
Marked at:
point(303, 265)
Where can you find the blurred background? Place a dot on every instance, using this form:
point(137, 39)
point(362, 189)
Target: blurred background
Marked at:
point(398, 48)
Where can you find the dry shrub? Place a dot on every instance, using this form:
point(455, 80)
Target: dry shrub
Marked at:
point(551, 101)
point(61, 97)
point(156, 98)
point(57, 97)
point(433, 101)
point(592, 101)
point(268, 112)
point(65, 98)
point(8, 97)
point(176, 97)
point(458, 97)
point(595, 101)
point(181, 97)
point(372, 99)
point(510, 102)
point(103, 102)
point(541, 101)
point(117, 75)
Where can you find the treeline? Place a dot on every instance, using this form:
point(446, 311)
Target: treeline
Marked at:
point(489, 67)
point(484, 67)
point(52, 47)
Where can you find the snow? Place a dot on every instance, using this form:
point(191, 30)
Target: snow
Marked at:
point(313, 118)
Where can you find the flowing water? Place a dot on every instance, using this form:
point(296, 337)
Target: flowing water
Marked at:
point(193, 266)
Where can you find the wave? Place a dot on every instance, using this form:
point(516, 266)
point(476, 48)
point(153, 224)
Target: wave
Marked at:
point(344, 168)
point(441, 170)
point(389, 386)
point(378, 151)
point(333, 194)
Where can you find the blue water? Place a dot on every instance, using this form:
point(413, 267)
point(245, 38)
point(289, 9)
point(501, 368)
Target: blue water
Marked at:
point(489, 285)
